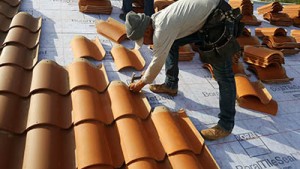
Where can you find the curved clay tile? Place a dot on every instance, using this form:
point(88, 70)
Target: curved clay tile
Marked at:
point(25, 20)
point(262, 56)
point(22, 36)
point(185, 160)
point(273, 73)
point(83, 73)
point(250, 20)
point(83, 47)
point(149, 164)
point(19, 55)
point(254, 95)
point(111, 29)
point(296, 34)
point(13, 3)
point(139, 139)
point(278, 19)
point(247, 39)
point(124, 102)
point(261, 32)
point(12, 147)
point(270, 7)
point(186, 53)
point(15, 79)
point(88, 104)
point(5, 22)
point(280, 42)
point(7, 10)
point(49, 147)
point(13, 112)
point(49, 108)
point(48, 75)
point(172, 128)
point(97, 145)
point(124, 57)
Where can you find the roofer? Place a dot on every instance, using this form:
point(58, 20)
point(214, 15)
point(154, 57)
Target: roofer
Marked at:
point(184, 22)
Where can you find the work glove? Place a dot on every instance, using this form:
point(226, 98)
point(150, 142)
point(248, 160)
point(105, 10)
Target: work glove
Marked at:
point(136, 86)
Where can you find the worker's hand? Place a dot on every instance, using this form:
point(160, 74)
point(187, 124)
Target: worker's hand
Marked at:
point(137, 86)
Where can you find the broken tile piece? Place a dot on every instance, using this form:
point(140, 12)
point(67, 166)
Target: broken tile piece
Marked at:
point(85, 48)
point(124, 57)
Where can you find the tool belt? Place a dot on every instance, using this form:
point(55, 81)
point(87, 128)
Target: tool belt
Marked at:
point(219, 33)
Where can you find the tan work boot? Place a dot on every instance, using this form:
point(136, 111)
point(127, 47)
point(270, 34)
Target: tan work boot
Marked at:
point(162, 88)
point(214, 133)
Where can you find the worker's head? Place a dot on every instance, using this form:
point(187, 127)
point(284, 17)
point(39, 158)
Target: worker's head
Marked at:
point(136, 25)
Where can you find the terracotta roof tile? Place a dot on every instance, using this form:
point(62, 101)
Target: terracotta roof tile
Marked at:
point(111, 29)
point(15, 79)
point(296, 34)
point(278, 19)
point(247, 39)
point(273, 73)
point(48, 75)
point(5, 22)
point(92, 6)
point(124, 57)
point(22, 36)
point(19, 55)
point(253, 95)
point(85, 48)
point(251, 20)
point(25, 20)
point(186, 53)
point(124, 102)
point(292, 10)
point(271, 7)
point(7, 10)
point(98, 145)
point(268, 31)
point(83, 73)
point(88, 104)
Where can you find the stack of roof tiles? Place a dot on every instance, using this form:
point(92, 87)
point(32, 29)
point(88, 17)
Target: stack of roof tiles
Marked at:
point(247, 39)
point(266, 64)
point(272, 12)
point(294, 12)
point(95, 6)
point(281, 41)
point(296, 34)
point(246, 7)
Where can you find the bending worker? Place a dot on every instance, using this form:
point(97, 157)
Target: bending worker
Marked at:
point(181, 23)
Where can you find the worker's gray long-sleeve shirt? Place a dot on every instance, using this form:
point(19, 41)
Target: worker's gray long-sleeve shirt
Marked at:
point(178, 20)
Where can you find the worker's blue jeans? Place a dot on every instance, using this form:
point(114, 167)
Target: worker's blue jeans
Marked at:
point(148, 6)
point(223, 74)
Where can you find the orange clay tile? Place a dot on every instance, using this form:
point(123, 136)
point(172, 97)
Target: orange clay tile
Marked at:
point(150, 164)
point(139, 139)
point(49, 147)
point(124, 102)
point(19, 55)
point(271, 7)
point(278, 19)
point(88, 104)
point(280, 42)
point(83, 73)
point(12, 3)
point(22, 36)
point(15, 79)
point(247, 39)
point(253, 95)
point(186, 53)
point(19, 114)
point(296, 34)
point(262, 56)
point(292, 10)
point(124, 57)
point(111, 29)
point(7, 10)
point(91, 6)
point(98, 146)
point(250, 20)
point(48, 75)
point(261, 32)
point(273, 73)
point(49, 108)
point(13, 113)
point(189, 150)
point(85, 48)
point(5, 22)
point(25, 20)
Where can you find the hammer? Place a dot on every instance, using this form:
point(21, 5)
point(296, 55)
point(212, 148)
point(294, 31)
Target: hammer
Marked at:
point(134, 77)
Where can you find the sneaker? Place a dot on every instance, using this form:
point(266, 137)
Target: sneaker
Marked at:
point(162, 88)
point(122, 16)
point(214, 133)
